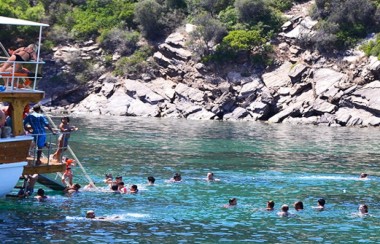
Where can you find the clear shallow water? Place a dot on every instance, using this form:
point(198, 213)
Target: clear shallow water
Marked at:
point(255, 163)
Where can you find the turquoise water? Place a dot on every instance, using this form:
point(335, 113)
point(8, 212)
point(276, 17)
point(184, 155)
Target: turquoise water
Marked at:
point(255, 162)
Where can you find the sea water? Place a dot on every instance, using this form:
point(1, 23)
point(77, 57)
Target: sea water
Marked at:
point(254, 161)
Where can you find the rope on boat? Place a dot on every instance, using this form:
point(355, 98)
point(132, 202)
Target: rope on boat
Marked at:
point(5, 51)
point(73, 154)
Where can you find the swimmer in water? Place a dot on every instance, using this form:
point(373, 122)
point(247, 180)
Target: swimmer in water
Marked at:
point(231, 203)
point(284, 211)
point(270, 206)
point(151, 180)
point(90, 214)
point(176, 178)
point(321, 204)
point(210, 177)
point(363, 176)
point(363, 209)
point(298, 206)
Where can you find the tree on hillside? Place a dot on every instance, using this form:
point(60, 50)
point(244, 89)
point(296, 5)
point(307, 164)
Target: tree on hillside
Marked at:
point(156, 20)
point(22, 9)
point(209, 32)
point(343, 23)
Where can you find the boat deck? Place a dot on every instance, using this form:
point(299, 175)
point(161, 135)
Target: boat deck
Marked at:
point(46, 166)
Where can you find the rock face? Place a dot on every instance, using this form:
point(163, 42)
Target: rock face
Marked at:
point(304, 88)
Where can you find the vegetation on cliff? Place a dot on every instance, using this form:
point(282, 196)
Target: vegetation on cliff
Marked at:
point(226, 29)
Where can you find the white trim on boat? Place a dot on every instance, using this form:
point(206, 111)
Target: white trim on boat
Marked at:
point(12, 21)
point(17, 138)
point(13, 165)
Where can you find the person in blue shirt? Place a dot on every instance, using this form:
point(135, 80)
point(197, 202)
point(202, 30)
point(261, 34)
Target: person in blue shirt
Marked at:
point(37, 123)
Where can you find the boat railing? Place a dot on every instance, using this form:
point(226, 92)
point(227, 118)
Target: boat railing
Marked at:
point(21, 79)
point(51, 146)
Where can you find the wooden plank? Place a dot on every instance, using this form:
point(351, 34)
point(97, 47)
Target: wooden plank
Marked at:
point(14, 151)
point(31, 95)
point(43, 169)
point(47, 181)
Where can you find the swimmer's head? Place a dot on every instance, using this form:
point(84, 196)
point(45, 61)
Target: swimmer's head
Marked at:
point(285, 208)
point(270, 204)
point(232, 201)
point(90, 214)
point(321, 202)
point(298, 205)
point(363, 208)
point(363, 175)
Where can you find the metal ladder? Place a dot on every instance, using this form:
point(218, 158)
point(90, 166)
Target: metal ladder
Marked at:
point(72, 154)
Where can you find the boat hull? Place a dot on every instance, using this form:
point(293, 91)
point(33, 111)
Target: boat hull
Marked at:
point(10, 174)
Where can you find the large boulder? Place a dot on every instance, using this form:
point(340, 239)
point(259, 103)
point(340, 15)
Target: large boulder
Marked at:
point(138, 90)
point(367, 97)
point(279, 77)
point(138, 108)
point(190, 94)
point(325, 79)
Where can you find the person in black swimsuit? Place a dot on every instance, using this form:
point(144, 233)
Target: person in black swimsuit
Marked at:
point(22, 54)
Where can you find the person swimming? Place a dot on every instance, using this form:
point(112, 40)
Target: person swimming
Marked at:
point(41, 197)
point(90, 214)
point(210, 177)
point(151, 180)
point(321, 204)
point(298, 206)
point(270, 206)
point(231, 203)
point(176, 178)
point(284, 211)
point(363, 209)
point(363, 176)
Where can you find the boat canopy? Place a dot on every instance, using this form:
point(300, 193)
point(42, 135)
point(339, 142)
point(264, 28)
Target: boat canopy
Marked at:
point(20, 22)
point(12, 21)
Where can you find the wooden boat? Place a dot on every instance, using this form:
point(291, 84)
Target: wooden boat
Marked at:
point(15, 156)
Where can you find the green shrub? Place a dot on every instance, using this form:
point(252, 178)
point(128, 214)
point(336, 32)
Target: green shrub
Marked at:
point(208, 33)
point(343, 22)
point(59, 34)
point(155, 20)
point(97, 15)
point(229, 17)
point(213, 7)
point(136, 63)
point(242, 44)
point(372, 47)
point(117, 40)
point(22, 9)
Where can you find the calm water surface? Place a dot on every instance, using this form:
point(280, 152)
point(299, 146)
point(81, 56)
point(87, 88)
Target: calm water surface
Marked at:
point(255, 163)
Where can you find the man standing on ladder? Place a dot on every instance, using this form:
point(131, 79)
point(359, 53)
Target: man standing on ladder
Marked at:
point(37, 122)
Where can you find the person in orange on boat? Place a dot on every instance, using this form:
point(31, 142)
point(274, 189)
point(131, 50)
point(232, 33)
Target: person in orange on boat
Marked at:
point(63, 139)
point(22, 54)
point(68, 174)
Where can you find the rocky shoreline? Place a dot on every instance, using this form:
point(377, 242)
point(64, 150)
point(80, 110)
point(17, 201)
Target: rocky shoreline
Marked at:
point(303, 88)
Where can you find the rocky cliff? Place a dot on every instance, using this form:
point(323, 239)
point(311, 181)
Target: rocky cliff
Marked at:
point(303, 87)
